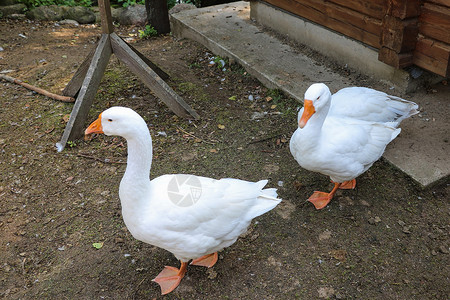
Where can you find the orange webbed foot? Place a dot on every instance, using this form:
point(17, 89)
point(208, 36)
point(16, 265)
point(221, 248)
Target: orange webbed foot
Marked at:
point(170, 278)
point(348, 185)
point(320, 199)
point(208, 260)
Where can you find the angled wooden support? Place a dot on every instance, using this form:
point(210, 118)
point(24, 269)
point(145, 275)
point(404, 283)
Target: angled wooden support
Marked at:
point(87, 79)
point(161, 89)
point(94, 74)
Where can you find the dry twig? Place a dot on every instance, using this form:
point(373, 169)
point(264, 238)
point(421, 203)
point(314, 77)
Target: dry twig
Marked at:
point(36, 89)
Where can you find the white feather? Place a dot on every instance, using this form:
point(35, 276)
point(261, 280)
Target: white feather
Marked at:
point(222, 210)
point(349, 131)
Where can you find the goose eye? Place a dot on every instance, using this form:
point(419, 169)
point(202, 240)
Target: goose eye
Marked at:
point(318, 98)
point(109, 120)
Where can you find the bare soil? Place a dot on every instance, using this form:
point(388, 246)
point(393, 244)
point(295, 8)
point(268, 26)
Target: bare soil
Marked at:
point(388, 239)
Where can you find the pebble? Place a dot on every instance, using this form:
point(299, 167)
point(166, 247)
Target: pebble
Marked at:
point(374, 220)
point(406, 229)
point(444, 249)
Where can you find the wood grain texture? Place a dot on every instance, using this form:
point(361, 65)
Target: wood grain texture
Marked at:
point(161, 89)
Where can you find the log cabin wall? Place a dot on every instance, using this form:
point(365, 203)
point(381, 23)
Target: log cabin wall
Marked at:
point(405, 32)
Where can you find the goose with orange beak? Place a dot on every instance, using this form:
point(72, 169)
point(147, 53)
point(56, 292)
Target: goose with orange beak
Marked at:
point(341, 136)
point(191, 216)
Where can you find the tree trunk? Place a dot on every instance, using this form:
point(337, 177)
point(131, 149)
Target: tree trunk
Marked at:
point(158, 15)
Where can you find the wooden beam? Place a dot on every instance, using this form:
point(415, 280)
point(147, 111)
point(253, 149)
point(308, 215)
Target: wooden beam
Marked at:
point(321, 12)
point(403, 9)
point(75, 83)
point(397, 60)
point(433, 56)
point(161, 89)
point(75, 126)
point(105, 16)
point(434, 22)
point(399, 35)
point(164, 76)
point(373, 8)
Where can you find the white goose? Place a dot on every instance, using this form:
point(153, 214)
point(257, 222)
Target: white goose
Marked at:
point(343, 135)
point(192, 217)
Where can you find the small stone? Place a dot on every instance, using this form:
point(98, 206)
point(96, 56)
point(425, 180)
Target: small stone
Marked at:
point(326, 292)
point(401, 223)
point(444, 249)
point(211, 273)
point(406, 229)
point(365, 203)
point(339, 296)
point(23, 254)
point(433, 252)
point(377, 219)
point(325, 235)
point(371, 221)
point(105, 193)
point(118, 240)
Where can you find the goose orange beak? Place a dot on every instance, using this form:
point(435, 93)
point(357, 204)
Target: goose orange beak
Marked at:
point(95, 127)
point(308, 111)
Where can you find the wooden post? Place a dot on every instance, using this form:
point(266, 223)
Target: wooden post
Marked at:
point(105, 16)
point(399, 33)
point(86, 88)
point(74, 128)
point(161, 89)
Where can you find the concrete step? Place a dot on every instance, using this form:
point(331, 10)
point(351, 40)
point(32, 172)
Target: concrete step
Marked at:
point(421, 150)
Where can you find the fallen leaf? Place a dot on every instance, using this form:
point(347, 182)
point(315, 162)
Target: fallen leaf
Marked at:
point(268, 99)
point(325, 235)
point(340, 255)
point(273, 106)
point(213, 150)
point(326, 292)
point(232, 98)
point(97, 245)
point(221, 126)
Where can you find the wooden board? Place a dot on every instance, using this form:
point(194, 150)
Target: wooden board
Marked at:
point(403, 9)
point(321, 12)
point(399, 35)
point(75, 126)
point(374, 8)
point(440, 2)
point(432, 55)
point(434, 22)
point(73, 87)
point(397, 60)
point(161, 89)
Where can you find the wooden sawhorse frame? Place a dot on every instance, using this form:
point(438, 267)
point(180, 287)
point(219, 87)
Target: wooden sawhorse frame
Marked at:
point(87, 79)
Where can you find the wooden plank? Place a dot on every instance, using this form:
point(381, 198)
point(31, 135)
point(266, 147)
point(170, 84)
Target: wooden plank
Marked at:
point(404, 8)
point(399, 35)
point(431, 64)
point(373, 8)
point(433, 48)
point(434, 22)
point(433, 56)
point(164, 76)
point(105, 16)
point(161, 89)
point(315, 11)
point(75, 83)
point(392, 58)
point(75, 127)
point(440, 2)
point(354, 18)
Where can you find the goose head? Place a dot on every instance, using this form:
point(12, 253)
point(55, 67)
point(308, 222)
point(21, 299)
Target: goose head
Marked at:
point(121, 121)
point(317, 98)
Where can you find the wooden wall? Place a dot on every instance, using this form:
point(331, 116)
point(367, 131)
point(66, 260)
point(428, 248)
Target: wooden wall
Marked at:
point(405, 32)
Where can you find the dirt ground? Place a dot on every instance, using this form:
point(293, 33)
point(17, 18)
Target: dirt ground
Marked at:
point(388, 239)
